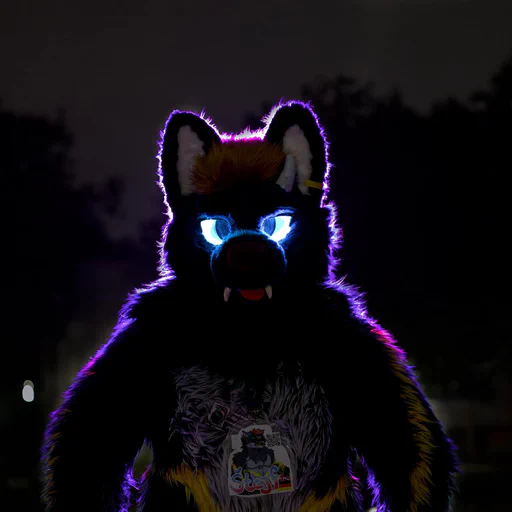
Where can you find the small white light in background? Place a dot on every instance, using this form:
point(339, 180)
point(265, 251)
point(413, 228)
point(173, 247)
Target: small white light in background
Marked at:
point(372, 509)
point(28, 391)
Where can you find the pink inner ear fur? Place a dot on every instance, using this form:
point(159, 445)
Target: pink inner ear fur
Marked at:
point(296, 145)
point(190, 147)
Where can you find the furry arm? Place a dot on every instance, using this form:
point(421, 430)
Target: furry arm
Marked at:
point(410, 460)
point(93, 438)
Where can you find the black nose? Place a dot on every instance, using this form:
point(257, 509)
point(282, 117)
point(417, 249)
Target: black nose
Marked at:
point(249, 261)
point(247, 255)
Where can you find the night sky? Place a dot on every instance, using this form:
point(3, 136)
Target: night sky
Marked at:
point(118, 70)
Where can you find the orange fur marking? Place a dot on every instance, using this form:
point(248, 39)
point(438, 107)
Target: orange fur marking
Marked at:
point(236, 163)
point(314, 504)
point(417, 415)
point(196, 485)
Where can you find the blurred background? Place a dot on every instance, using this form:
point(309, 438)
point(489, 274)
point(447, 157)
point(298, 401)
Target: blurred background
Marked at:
point(416, 98)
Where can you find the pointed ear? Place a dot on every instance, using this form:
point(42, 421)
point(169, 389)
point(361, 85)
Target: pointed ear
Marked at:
point(295, 128)
point(186, 137)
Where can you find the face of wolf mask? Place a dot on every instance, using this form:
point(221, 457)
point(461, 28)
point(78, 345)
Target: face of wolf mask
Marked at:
point(248, 224)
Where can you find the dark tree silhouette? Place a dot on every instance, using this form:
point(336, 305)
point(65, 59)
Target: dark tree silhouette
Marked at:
point(50, 227)
point(422, 202)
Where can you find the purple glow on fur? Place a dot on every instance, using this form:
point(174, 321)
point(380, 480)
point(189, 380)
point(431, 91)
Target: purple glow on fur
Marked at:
point(129, 490)
point(375, 491)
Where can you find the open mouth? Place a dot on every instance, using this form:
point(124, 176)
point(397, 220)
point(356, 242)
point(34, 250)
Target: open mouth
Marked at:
point(253, 294)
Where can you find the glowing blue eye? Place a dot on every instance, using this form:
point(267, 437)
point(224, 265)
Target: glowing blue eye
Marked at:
point(215, 230)
point(278, 227)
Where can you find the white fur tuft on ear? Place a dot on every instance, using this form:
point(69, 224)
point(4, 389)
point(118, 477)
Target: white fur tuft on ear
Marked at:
point(190, 146)
point(296, 145)
point(287, 177)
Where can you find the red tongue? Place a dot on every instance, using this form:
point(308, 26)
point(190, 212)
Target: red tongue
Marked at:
point(253, 294)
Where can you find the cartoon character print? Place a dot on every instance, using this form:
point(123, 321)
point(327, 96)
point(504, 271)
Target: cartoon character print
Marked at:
point(255, 457)
point(260, 466)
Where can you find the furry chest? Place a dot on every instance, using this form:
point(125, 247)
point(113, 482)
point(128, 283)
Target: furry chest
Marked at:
point(270, 448)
